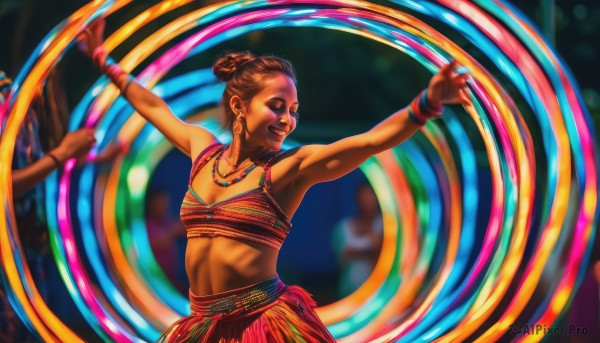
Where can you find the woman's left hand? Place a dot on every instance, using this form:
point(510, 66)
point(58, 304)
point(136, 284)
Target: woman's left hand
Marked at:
point(92, 37)
point(448, 86)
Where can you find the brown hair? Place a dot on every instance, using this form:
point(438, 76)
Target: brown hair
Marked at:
point(244, 74)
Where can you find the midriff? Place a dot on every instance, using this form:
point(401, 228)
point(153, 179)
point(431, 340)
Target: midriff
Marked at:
point(218, 264)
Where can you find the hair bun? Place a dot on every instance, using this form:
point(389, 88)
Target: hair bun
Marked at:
point(226, 66)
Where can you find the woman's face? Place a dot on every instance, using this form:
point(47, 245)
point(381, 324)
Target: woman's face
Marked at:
point(272, 114)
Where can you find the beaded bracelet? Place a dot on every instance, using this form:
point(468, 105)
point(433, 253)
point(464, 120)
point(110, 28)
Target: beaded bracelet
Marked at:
point(111, 68)
point(420, 110)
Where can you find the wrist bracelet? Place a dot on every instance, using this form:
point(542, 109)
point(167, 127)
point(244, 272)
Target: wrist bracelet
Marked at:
point(129, 80)
point(414, 118)
point(420, 110)
point(108, 66)
point(55, 159)
point(426, 107)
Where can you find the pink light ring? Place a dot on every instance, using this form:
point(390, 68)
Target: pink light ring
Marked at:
point(534, 79)
point(432, 56)
point(21, 267)
point(503, 131)
point(4, 111)
point(510, 45)
point(406, 204)
point(15, 113)
point(57, 40)
point(497, 212)
point(590, 153)
point(404, 201)
point(32, 298)
point(583, 230)
point(348, 17)
point(584, 135)
point(428, 53)
point(492, 109)
point(167, 61)
point(585, 218)
point(425, 52)
point(581, 241)
point(23, 289)
point(575, 259)
point(530, 69)
point(583, 126)
point(488, 247)
point(522, 58)
point(523, 131)
point(109, 325)
point(355, 16)
point(445, 185)
point(548, 53)
point(99, 106)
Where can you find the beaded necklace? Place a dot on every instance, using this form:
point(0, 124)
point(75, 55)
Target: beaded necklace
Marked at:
point(233, 170)
point(239, 178)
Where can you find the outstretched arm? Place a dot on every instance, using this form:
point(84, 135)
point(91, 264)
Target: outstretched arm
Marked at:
point(319, 163)
point(190, 139)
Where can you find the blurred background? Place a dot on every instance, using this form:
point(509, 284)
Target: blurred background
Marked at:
point(346, 84)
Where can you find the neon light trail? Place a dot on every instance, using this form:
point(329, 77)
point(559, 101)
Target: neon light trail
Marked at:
point(432, 281)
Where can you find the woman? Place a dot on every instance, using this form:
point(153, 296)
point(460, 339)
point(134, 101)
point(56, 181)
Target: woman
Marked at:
point(41, 147)
point(357, 241)
point(241, 196)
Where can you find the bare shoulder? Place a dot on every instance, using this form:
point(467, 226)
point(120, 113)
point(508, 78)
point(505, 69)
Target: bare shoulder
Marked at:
point(305, 151)
point(284, 165)
point(294, 156)
point(200, 139)
point(286, 189)
point(286, 168)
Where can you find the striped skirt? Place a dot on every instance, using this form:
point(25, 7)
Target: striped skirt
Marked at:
point(267, 312)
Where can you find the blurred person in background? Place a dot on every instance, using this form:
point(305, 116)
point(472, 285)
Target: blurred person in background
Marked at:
point(165, 233)
point(42, 146)
point(357, 241)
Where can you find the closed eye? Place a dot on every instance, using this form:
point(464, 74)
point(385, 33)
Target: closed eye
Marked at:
point(281, 108)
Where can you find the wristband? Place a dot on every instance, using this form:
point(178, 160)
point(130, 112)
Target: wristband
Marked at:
point(414, 118)
point(109, 67)
point(427, 108)
point(129, 80)
point(55, 159)
point(420, 110)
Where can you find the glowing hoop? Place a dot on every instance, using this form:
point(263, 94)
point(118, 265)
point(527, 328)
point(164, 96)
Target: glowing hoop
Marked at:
point(427, 192)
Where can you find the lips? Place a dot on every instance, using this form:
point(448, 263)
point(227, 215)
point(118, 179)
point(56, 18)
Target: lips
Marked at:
point(278, 132)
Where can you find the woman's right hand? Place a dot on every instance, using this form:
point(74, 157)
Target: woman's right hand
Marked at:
point(92, 37)
point(76, 144)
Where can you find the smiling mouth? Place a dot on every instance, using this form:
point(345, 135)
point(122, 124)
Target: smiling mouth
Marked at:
point(278, 132)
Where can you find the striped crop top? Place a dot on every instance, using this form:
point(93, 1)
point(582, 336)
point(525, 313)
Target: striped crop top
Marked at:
point(253, 215)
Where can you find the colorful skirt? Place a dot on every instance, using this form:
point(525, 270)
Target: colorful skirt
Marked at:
point(267, 312)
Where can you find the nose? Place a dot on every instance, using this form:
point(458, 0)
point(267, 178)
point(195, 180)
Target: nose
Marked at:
point(285, 118)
